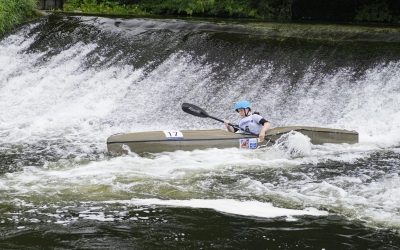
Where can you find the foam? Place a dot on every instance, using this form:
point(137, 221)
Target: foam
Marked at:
point(244, 208)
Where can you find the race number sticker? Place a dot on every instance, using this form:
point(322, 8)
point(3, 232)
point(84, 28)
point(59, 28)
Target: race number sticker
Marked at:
point(173, 135)
point(248, 143)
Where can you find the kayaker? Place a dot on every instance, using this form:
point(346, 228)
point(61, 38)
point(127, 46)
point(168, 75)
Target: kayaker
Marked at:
point(253, 123)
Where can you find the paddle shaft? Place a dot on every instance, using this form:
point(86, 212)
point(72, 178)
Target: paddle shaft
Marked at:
point(197, 111)
point(230, 124)
point(237, 127)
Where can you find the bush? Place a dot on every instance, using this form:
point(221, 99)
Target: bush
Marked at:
point(103, 7)
point(13, 12)
point(273, 9)
point(375, 12)
point(221, 8)
point(276, 10)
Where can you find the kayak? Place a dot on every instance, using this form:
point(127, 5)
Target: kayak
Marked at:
point(167, 141)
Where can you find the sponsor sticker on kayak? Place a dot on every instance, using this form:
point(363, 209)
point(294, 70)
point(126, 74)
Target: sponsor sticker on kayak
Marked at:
point(173, 134)
point(248, 143)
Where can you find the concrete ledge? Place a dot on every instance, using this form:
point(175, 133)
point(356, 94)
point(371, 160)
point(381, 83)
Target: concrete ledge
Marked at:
point(50, 4)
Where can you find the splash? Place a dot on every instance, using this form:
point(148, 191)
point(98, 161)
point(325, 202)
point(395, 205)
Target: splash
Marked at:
point(294, 144)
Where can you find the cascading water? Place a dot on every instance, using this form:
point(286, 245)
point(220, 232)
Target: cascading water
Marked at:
point(67, 83)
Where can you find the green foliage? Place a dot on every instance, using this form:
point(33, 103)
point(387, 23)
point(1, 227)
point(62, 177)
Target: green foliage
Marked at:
point(374, 12)
point(273, 9)
point(102, 6)
point(222, 8)
point(276, 10)
point(13, 12)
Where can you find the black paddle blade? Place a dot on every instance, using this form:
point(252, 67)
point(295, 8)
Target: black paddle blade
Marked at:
point(194, 110)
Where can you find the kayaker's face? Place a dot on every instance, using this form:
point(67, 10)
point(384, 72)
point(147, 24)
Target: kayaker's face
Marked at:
point(242, 113)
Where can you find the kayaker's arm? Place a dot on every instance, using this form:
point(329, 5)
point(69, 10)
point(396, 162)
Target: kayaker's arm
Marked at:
point(265, 127)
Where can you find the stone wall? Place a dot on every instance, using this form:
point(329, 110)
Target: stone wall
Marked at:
point(50, 4)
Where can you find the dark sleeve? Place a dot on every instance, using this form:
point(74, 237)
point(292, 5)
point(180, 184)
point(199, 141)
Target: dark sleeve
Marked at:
point(263, 121)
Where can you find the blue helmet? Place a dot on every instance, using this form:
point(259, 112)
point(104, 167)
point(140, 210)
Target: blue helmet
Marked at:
point(242, 105)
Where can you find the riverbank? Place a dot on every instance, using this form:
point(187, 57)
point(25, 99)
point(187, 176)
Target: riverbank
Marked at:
point(13, 12)
point(338, 11)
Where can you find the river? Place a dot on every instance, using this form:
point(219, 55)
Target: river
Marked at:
point(69, 82)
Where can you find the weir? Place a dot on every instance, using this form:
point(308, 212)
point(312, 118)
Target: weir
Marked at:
point(153, 66)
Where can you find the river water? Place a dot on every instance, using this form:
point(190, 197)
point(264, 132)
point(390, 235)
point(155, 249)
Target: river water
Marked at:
point(67, 83)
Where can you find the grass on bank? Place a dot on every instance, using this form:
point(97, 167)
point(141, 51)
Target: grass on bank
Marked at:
point(13, 12)
point(382, 11)
point(102, 7)
point(213, 8)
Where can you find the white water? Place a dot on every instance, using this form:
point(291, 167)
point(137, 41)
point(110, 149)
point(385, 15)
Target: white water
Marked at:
point(60, 100)
point(246, 208)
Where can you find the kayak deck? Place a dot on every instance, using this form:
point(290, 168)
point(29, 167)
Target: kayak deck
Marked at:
point(164, 141)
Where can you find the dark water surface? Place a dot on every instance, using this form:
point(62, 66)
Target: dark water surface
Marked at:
point(202, 229)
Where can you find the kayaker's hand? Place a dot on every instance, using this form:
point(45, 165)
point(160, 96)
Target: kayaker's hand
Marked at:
point(226, 122)
point(261, 138)
point(228, 127)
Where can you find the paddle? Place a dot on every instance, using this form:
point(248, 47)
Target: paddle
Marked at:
point(196, 111)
